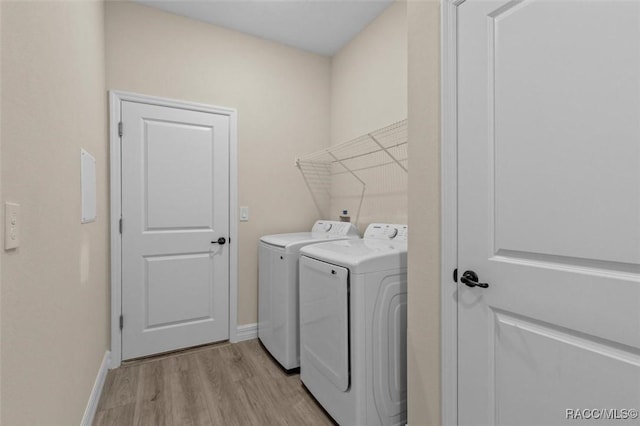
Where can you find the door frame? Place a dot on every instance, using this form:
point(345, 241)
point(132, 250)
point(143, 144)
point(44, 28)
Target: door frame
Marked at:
point(449, 211)
point(115, 99)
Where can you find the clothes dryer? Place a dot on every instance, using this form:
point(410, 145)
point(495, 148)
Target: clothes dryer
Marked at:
point(353, 318)
point(278, 325)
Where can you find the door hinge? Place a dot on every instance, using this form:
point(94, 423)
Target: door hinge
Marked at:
point(455, 275)
point(120, 129)
point(121, 322)
point(120, 225)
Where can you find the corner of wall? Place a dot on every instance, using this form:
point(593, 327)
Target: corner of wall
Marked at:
point(1, 213)
point(369, 92)
point(423, 322)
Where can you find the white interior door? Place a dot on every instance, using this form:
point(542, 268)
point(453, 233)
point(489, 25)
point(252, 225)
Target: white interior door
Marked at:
point(175, 207)
point(549, 211)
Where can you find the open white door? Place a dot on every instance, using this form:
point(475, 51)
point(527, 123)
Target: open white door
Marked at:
point(549, 211)
point(175, 208)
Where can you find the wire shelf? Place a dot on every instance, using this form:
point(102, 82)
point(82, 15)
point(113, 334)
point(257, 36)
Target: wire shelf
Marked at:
point(384, 147)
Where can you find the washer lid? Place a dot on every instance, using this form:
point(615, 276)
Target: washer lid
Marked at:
point(360, 256)
point(293, 242)
point(323, 230)
point(282, 240)
point(383, 247)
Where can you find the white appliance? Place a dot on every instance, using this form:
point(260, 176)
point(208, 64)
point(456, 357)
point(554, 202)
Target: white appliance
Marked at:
point(278, 325)
point(353, 318)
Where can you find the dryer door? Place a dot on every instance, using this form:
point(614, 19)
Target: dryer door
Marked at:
point(324, 320)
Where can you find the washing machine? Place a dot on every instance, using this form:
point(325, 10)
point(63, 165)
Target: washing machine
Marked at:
point(353, 321)
point(278, 324)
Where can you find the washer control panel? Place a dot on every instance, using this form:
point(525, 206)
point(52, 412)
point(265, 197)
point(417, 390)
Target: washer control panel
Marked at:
point(386, 231)
point(334, 227)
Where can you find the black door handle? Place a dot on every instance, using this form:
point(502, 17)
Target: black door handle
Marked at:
point(470, 279)
point(220, 241)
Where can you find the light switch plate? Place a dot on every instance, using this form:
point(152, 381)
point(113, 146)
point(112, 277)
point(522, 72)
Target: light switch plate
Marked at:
point(11, 226)
point(88, 186)
point(244, 214)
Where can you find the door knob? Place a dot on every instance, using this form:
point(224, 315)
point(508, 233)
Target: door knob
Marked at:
point(470, 279)
point(220, 241)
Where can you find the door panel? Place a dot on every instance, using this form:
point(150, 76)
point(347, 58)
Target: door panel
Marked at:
point(565, 101)
point(549, 209)
point(175, 195)
point(178, 197)
point(168, 304)
point(543, 357)
point(324, 320)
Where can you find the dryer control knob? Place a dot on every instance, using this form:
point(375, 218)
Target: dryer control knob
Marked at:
point(327, 227)
point(391, 232)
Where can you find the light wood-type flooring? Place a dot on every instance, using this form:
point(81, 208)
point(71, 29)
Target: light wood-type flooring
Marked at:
point(223, 384)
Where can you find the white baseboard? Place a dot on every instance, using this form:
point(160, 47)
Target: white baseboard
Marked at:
point(246, 332)
point(92, 405)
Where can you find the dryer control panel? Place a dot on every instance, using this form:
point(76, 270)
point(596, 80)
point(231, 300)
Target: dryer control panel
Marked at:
point(386, 231)
point(334, 227)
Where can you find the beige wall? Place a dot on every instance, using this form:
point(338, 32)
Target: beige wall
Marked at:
point(368, 92)
point(369, 77)
point(282, 98)
point(1, 214)
point(54, 294)
point(54, 287)
point(423, 323)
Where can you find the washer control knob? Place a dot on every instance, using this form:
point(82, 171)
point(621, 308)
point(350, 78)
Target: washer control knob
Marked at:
point(327, 227)
point(391, 232)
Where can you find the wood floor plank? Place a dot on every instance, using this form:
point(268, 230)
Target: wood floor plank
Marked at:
point(222, 384)
point(189, 406)
point(122, 388)
point(234, 358)
point(153, 398)
point(225, 399)
point(262, 361)
point(120, 415)
point(305, 409)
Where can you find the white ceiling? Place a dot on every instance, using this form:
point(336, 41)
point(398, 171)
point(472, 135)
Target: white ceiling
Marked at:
point(319, 26)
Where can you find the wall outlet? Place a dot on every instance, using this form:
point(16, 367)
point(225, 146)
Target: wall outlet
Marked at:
point(11, 226)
